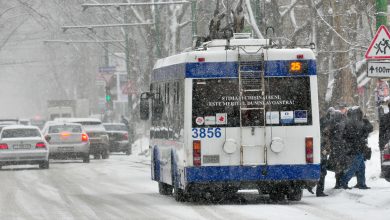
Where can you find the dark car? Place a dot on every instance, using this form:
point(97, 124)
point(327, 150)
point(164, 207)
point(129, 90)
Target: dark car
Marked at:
point(119, 137)
point(385, 162)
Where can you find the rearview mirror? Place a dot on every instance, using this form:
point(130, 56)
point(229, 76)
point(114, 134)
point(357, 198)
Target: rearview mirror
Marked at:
point(144, 106)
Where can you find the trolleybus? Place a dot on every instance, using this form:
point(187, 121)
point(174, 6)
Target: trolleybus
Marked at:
point(234, 114)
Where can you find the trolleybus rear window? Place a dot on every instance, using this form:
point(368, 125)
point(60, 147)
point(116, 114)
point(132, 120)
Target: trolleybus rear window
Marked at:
point(215, 103)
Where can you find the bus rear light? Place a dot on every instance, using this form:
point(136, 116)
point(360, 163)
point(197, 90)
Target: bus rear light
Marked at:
point(386, 157)
point(3, 146)
point(196, 153)
point(201, 59)
point(309, 149)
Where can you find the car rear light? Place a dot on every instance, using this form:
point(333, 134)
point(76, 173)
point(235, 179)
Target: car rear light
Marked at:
point(386, 153)
point(309, 149)
point(40, 145)
point(196, 153)
point(3, 146)
point(126, 136)
point(84, 137)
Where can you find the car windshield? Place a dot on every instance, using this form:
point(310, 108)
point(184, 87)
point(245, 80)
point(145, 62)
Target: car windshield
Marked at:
point(15, 133)
point(62, 128)
point(115, 127)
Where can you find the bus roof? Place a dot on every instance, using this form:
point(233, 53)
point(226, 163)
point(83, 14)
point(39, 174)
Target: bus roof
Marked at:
point(215, 61)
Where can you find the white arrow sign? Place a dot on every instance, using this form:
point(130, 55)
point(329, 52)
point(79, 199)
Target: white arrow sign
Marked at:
point(378, 69)
point(380, 45)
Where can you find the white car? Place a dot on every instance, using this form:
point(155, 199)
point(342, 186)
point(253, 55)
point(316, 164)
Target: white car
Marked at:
point(67, 141)
point(23, 145)
point(97, 135)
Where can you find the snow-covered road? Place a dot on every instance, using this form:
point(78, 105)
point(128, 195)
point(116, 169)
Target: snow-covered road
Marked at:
point(120, 188)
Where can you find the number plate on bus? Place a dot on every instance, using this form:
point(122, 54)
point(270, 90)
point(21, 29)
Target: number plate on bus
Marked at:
point(206, 133)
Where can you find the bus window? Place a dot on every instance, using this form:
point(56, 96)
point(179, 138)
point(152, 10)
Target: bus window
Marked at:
point(288, 98)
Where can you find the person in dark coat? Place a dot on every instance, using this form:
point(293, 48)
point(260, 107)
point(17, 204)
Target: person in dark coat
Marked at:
point(337, 157)
point(325, 128)
point(355, 134)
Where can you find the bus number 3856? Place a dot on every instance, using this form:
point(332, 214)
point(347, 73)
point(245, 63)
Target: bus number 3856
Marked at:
point(206, 133)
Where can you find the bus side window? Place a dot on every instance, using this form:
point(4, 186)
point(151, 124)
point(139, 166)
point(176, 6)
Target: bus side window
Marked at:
point(158, 107)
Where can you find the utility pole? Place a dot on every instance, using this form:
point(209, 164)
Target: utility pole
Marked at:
point(381, 13)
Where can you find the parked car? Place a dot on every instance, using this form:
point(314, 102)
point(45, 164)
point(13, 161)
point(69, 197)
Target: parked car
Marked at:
point(385, 162)
point(21, 144)
point(98, 137)
point(67, 141)
point(9, 121)
point(119, 137)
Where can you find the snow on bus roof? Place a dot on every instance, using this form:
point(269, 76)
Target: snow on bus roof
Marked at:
point(216, 53)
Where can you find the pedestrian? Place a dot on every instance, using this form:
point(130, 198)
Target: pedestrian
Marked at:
point(325, 125)
point(124, 121)
point(355, 134)
point(337, 161)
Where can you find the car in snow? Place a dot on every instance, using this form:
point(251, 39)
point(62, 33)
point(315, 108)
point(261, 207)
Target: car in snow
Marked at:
point(21, 144)
point(119, 137)
point(385, 162)
point(9, 121)
point(97, 134)
point(67, 141)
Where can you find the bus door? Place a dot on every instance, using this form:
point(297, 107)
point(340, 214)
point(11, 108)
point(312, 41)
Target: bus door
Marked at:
point(252, 109)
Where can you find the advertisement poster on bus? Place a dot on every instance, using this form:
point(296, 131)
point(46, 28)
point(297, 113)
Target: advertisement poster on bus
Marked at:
point(287, 102)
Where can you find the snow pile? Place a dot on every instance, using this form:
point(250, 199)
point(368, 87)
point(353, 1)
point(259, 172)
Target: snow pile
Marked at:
point(141, 151)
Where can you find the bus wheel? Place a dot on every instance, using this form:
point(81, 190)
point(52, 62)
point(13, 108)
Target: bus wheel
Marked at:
point(276, 196)
point(295, 194)
point(164, 189)
point(179, 194)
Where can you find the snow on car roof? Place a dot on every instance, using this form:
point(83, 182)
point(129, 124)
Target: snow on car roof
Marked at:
point(20, 127)
point(63, 123)
point(113, 124)
point(77, 120)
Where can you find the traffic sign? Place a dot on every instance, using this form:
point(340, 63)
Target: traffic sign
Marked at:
point(107, 69)
point(378, 69)
point(380, 45)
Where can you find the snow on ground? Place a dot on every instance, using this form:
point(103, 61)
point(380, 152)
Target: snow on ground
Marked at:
point(340, 204)
point(121, 188)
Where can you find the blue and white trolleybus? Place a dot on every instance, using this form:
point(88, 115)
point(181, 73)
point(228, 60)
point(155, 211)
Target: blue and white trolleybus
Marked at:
point(237, 114)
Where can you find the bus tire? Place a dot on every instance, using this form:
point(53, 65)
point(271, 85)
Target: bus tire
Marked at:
point(295, 194)
point(179, 194)
point(276, 196)
point(164, 189)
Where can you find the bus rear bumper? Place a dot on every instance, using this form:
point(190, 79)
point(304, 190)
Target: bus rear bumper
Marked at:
point(305, 174)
